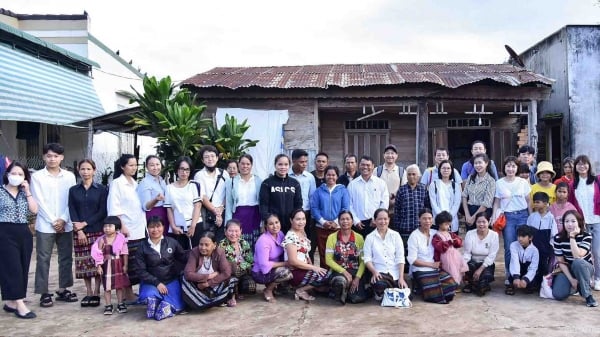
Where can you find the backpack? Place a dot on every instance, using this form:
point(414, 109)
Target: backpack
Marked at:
point(400, 171)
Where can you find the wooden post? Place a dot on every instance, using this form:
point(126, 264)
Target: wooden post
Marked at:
point(532, 125)
point(316, 126)
point(422, 129)
point(90, 142)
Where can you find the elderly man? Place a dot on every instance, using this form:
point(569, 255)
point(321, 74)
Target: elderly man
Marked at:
point(367, 194)
point(410, 199)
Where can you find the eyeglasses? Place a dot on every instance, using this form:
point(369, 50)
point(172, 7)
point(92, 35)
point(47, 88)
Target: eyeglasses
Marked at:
point(184, 169)
point(581, 164)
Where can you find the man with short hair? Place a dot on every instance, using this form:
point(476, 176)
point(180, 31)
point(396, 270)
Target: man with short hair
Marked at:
point(431, 173)
point(212, 182)
point(50, 188)
point(410, 199)
point(367, 194)
point(477, 147)
point(527, 156)
point(393, 175)
point(307, 188)
point(351, 171)
point(321, 162)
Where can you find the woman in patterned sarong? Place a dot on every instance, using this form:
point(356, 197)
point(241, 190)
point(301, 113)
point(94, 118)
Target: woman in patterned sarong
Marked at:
point(207, 280)
point(436, 285)
point(87, 208)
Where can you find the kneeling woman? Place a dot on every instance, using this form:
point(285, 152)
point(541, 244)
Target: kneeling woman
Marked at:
point(436, 285)
point(384, 255)
point(572, 250)
point(239, 254)
point(207, 280)
point(306, 276)
point(269, 268)
point(480, 249)
point(342, 255)
point(160, 260)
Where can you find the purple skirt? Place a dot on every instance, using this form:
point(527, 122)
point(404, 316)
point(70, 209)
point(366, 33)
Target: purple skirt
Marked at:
point(249, 216)
point(160, 212)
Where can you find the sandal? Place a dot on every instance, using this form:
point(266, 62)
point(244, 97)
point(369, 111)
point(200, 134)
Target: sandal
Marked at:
point(121, 308)
point(85, 302)
point(46, 301)
point(66, 296)
point(94, 301)
point(231, 303)
point(108, 309)
point(510, 290)
point(301, 294)
point(467, 289)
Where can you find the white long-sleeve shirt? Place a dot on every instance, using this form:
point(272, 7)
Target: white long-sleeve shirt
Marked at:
point(124, 202)
point(385, 254)
point(367, 196)
point(52, 195)
point(481, 250)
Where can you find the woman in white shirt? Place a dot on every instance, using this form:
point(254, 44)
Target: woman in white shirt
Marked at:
point(512, 199)
point(183, 204)
point(480, 249)
point(436, 285)
point(445, 193)
point(384, 255)
point(241, 200)
point(124, 202)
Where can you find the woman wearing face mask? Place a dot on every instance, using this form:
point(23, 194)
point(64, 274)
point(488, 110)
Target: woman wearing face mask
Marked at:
point(16, 242)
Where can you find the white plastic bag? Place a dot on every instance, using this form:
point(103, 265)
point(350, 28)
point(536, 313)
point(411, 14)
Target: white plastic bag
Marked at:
point(546, 288)
point(396, 297)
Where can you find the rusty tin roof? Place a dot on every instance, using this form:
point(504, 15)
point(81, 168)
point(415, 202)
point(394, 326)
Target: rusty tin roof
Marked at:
point(451, 75)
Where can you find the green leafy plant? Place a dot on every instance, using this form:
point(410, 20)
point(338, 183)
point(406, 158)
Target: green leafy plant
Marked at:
point(172, 116)
point(229, 138)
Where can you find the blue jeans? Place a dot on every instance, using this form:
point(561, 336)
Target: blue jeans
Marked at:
point(513, 220)
point(582, 271)
point(594, 229)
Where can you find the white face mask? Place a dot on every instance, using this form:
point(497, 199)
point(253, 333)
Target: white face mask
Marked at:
point(15, 180)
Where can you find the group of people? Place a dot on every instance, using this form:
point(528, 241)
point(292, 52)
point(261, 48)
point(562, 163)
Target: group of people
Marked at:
point(208, 238)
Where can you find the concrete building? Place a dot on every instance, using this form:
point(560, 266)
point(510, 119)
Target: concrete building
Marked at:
point(569, 118)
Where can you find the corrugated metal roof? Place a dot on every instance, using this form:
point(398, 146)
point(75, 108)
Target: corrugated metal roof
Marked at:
point(451, 75)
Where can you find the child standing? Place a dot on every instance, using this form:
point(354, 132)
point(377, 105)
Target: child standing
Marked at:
point(544, 229)
point(561, 205)
point(524, 261)
point(545, 173)
point(111, 255)
point(445, 244)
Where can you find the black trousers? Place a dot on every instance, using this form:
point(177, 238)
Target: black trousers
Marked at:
point(16, 247)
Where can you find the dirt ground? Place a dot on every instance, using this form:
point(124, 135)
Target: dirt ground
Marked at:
point(496, 314)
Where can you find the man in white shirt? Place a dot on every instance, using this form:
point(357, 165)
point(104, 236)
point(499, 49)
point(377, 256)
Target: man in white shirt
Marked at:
point(50, 188)
point(367, 194)
point(212, 191)
point(307, 187)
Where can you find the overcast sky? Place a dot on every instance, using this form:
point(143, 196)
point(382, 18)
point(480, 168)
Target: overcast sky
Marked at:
point(183, 38)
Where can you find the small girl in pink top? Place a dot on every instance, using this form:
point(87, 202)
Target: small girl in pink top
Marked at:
point(561, 205)
point(110, 254)
point(445, 245)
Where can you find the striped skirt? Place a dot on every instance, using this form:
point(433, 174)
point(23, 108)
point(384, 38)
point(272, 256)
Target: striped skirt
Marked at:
point(303, 277)
point(276, 275)
point(246, 284)
point(198, 299)
point(84, 263)
point(113, 276)
point(436, 286)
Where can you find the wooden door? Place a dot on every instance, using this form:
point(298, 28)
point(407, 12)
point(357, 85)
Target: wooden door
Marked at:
point(502, 144)
point(367, 142)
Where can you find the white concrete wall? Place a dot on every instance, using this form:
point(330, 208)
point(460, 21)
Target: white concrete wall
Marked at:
point(583, 63)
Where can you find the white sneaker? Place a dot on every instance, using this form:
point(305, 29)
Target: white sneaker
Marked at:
point(597, 284)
